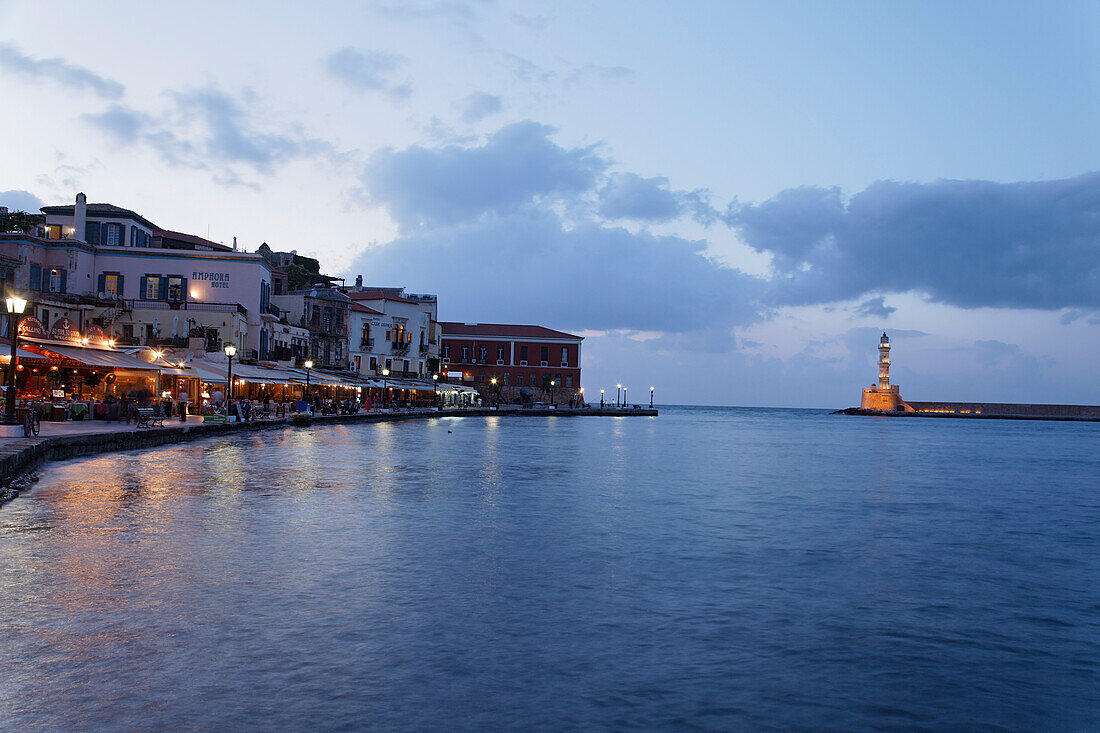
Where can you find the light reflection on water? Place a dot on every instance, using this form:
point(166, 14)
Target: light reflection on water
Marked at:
point(711, 568)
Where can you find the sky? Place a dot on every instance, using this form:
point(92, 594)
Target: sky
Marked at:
point(730, 201)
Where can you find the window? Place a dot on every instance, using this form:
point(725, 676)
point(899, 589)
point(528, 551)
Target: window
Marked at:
point(500, 353)
point(483, 353)
point(389, 364)
point(111, 284)
point(569, 381)
point(326, 323)
point(523, 353)
point(465, 353)
point(114, 235)
point(564, 356)
point(91, 232)
point(533, 382)
point(45, 319)
point(545, 353)
point(315, 316)
point(175, 287)
point(506, 378)
point(152, 287)
point(405, 366)
point(133, 236)
point(128, 330)
point(373, 363)
point(57, 281)
point(446, 351)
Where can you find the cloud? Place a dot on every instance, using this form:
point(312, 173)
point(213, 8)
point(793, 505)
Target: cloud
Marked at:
point(629, 196)
point(479, 105)
point(528, 266)
point(516, 165)
point(964, 243)
point(875, 308)
point(207, 129)
point(122, 124)
point(58, 70)
point(604, 74)
point(413, 10)
point(17, 200)
point(370, 71)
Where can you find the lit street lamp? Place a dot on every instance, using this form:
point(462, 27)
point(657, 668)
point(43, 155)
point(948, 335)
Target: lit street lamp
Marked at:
point(493, 388)
point(230, 352)
point(552, 383)
point(624, 397)
point(601, 399)
point(385, 385)
point(618, 388)
point(308, 364)
point(435, 392)
point(16, 306)
point(651, 397)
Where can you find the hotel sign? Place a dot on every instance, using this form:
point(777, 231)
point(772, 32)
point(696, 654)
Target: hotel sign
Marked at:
point(213, 279)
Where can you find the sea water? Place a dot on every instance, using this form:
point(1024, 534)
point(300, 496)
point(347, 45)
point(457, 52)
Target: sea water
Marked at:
point(711, 568)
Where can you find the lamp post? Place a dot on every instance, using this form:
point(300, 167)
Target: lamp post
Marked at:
point(493, 388)
point(582, 398)
point(385, 388)
point(308, 364)
point(552, 382)
point(624, 397)
point(618, 388)
point(16, 306)
point(435, 392)
point(651, 398)
point(230, 352)
point(601, 399)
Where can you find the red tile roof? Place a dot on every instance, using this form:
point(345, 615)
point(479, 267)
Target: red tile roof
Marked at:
point(453, 329)
point(360, 308)
point(190, 239)
point(378, 295)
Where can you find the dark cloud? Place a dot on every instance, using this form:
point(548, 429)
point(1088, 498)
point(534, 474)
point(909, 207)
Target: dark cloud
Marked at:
point(207, 129)
point(369, 71)
point(479, 105)
point(528, 265)
point(59, 71)
point(515, 166)
point(875, 308)
point(964, 243)
point(629, 196)
point(17, 200)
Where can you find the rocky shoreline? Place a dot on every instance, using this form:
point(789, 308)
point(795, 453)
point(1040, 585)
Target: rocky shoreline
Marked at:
point(23, 456)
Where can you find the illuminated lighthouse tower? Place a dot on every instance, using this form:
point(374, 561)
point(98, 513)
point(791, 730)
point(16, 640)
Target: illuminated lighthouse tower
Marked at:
point(884, 362)
point(884, 396)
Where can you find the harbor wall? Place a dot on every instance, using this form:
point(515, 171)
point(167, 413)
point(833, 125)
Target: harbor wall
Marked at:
point(1009, 409)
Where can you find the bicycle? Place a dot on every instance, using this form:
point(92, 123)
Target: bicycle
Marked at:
point(31, 422)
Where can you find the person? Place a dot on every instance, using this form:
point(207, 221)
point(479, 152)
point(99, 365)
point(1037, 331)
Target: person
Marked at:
point(184, 397)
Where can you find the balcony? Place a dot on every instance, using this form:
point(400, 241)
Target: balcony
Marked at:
point(271, 312)
point(423, 348)
point(366, 344)
point(399, 347)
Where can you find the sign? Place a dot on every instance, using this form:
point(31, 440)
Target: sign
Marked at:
point(96, 335)
point(64, 330)
point(31, 327)
point(213, 279)
point(59, 393)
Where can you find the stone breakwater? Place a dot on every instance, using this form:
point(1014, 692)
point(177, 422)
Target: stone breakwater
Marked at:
point(19, 457)
point(986, 411)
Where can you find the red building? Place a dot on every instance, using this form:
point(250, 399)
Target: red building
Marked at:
point(523, 359)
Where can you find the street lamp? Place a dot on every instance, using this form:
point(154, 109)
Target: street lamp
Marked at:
point(16, 306)
point(308, 364)
point(552, 382)
point(435, 392)
point(385, 390)
point(493, 381)
point(624, 397)
point(601, 399)
point(651, 398)
point(230, 352)
point(618, 387)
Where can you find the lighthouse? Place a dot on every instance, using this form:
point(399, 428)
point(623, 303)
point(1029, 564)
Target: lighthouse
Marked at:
point(884, 362)
point(884, 397)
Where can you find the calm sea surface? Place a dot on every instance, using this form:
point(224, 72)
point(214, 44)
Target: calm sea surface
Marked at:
point(712, 568)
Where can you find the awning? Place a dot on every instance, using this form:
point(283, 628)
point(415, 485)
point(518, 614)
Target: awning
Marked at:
point(263, 375)
point(5, 358)
point(97, 357)
point(207, 372)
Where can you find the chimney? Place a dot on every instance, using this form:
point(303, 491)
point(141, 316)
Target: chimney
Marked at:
point(234, 244)
point(358, 281)
point(80, 217)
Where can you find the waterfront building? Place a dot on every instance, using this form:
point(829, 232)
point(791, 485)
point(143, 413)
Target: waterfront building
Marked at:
point(399, 331)
point(323, 311)
point(524, 360)
point(140, 284)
